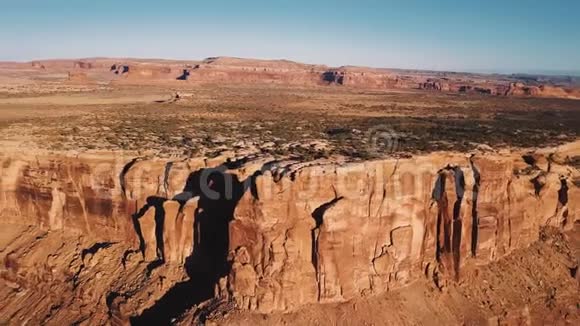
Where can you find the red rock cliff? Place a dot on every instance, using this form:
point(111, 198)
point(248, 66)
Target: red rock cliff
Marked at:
point(270, 235)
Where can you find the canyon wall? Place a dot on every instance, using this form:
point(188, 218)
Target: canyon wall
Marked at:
point(338, 232)
point(272, 235)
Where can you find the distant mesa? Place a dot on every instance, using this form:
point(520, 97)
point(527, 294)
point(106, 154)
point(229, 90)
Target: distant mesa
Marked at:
point(37, 65)
point(82, 65)
point(521, 89)
point(436, 85)
point(284, 72)
point(119, 69)
point(333, 77)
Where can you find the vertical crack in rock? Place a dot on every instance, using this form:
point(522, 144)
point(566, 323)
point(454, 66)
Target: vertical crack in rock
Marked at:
point(563, 200)
point(538, 182)
point(124, 171)
point(157, 203)
point(81, 198)
point(509, 200)
point(139, 232)
point(452, 226)
point(529, 159)
point(573, 272)
point(318, 213)
point(457, 222)
point(318, 216)
point(166, 172)
point(380, 210)
point(437, 196)
point(439, 187)
point(370, 185)
point(377, 215)
point(474, 216)
point(563, 192)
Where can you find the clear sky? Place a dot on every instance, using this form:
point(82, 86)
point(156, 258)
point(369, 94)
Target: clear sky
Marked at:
point(462, 35)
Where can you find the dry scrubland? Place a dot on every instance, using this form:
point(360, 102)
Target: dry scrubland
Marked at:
point(308, 123)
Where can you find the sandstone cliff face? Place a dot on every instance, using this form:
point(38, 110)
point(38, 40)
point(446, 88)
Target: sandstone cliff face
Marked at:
point(360, 78)
point(437, 85)
point(224, 73)
point(520, 89)
point(223, 70)
point(37, 65)
point(530, 286)
point(335, 233)
point(82, 65)
point(272, 236)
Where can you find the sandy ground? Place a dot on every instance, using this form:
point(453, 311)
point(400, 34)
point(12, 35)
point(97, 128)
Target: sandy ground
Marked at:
point(87, 99)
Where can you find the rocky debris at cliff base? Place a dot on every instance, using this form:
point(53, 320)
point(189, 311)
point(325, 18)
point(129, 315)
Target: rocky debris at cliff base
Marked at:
point(60, 277)
point(89, 283)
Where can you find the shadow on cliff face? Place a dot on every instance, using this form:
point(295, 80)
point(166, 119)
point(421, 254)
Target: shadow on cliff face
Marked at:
point(219, 194)
point(449, 228)
point(333, 77)
point(318, 216)
point(157, 202)
point(184, 75)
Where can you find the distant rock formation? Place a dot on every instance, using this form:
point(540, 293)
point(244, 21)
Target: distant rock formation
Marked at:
point(82, 65)
point(436, 84)
point(284, 72)
point(119, 69)
point(359, 77)
point(184, 75)
point(521, 89)
point(37, 65)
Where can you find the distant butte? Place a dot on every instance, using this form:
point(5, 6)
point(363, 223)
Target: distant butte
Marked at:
point(284, 72)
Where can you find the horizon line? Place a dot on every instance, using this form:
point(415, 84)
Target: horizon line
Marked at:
point(480, 71)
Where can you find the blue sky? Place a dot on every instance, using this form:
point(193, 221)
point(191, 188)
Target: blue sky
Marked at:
point(490, 35)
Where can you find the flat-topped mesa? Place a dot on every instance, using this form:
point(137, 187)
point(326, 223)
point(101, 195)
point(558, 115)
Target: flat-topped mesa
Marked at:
point(521, 89)
point(227, 70)
point(272, 236)
point(82, 65)
point(361, 78)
